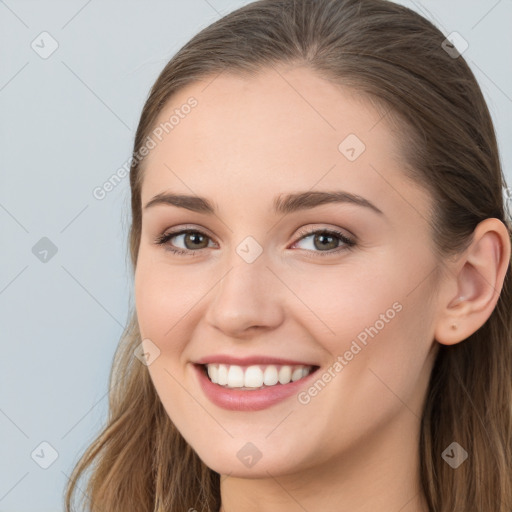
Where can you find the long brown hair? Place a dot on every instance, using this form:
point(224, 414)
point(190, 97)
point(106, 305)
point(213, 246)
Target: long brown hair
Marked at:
point(396, 59)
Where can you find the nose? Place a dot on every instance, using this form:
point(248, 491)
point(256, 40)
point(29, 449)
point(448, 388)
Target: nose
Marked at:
point(248, 298)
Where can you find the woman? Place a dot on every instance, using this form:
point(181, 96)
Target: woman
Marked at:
point(322, 276)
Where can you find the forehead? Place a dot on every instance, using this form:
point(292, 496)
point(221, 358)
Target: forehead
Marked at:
point(283, 129)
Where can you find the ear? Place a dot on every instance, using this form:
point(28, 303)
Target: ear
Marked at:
point(473, 283)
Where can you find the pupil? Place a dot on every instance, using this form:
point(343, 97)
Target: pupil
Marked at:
point(196, 237)
point(326, 238)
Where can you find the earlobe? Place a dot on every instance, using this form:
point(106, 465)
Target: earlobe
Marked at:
point(478, 275)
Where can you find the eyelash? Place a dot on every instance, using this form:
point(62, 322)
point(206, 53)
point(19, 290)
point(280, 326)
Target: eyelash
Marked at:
point(348, 243)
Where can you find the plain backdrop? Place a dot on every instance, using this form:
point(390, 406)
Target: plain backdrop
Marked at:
point(67, 123)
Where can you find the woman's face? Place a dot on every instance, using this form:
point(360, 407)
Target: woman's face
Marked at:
point(263, 278)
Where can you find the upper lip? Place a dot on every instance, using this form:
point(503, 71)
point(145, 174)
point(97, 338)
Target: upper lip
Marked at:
point(251, 360)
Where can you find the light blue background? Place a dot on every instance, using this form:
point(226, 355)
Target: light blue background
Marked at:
point(67, 124)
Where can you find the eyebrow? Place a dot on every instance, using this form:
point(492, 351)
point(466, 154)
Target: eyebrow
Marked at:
point(281, 204)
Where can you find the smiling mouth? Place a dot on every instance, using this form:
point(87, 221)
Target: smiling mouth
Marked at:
point(255, 377)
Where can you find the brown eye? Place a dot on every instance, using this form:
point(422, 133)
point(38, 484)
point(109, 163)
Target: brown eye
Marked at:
point(192, 241)
point(325, 241)
point(195, 240)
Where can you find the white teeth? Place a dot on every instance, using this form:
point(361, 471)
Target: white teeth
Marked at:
point(222, 377)
point(235, 376)
point(285, 374)
point(213, 373)
point(270, 376)
point(297, 374)
point(255, 376)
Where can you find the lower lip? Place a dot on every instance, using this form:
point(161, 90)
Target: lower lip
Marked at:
point(248, 400)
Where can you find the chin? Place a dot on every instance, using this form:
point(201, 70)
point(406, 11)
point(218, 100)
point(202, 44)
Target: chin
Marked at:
point(245, 459)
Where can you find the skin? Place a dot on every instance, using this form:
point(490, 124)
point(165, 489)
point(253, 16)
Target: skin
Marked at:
point(354, 446)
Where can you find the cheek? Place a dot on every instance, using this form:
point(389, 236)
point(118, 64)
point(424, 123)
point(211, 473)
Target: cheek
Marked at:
point(163, 297)
point(162, 305)
point(373, 318)
point(343, 301)
point(378, 372)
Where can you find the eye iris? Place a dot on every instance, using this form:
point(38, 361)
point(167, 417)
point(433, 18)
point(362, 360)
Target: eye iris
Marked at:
point(195, 237)
point(323, 237)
